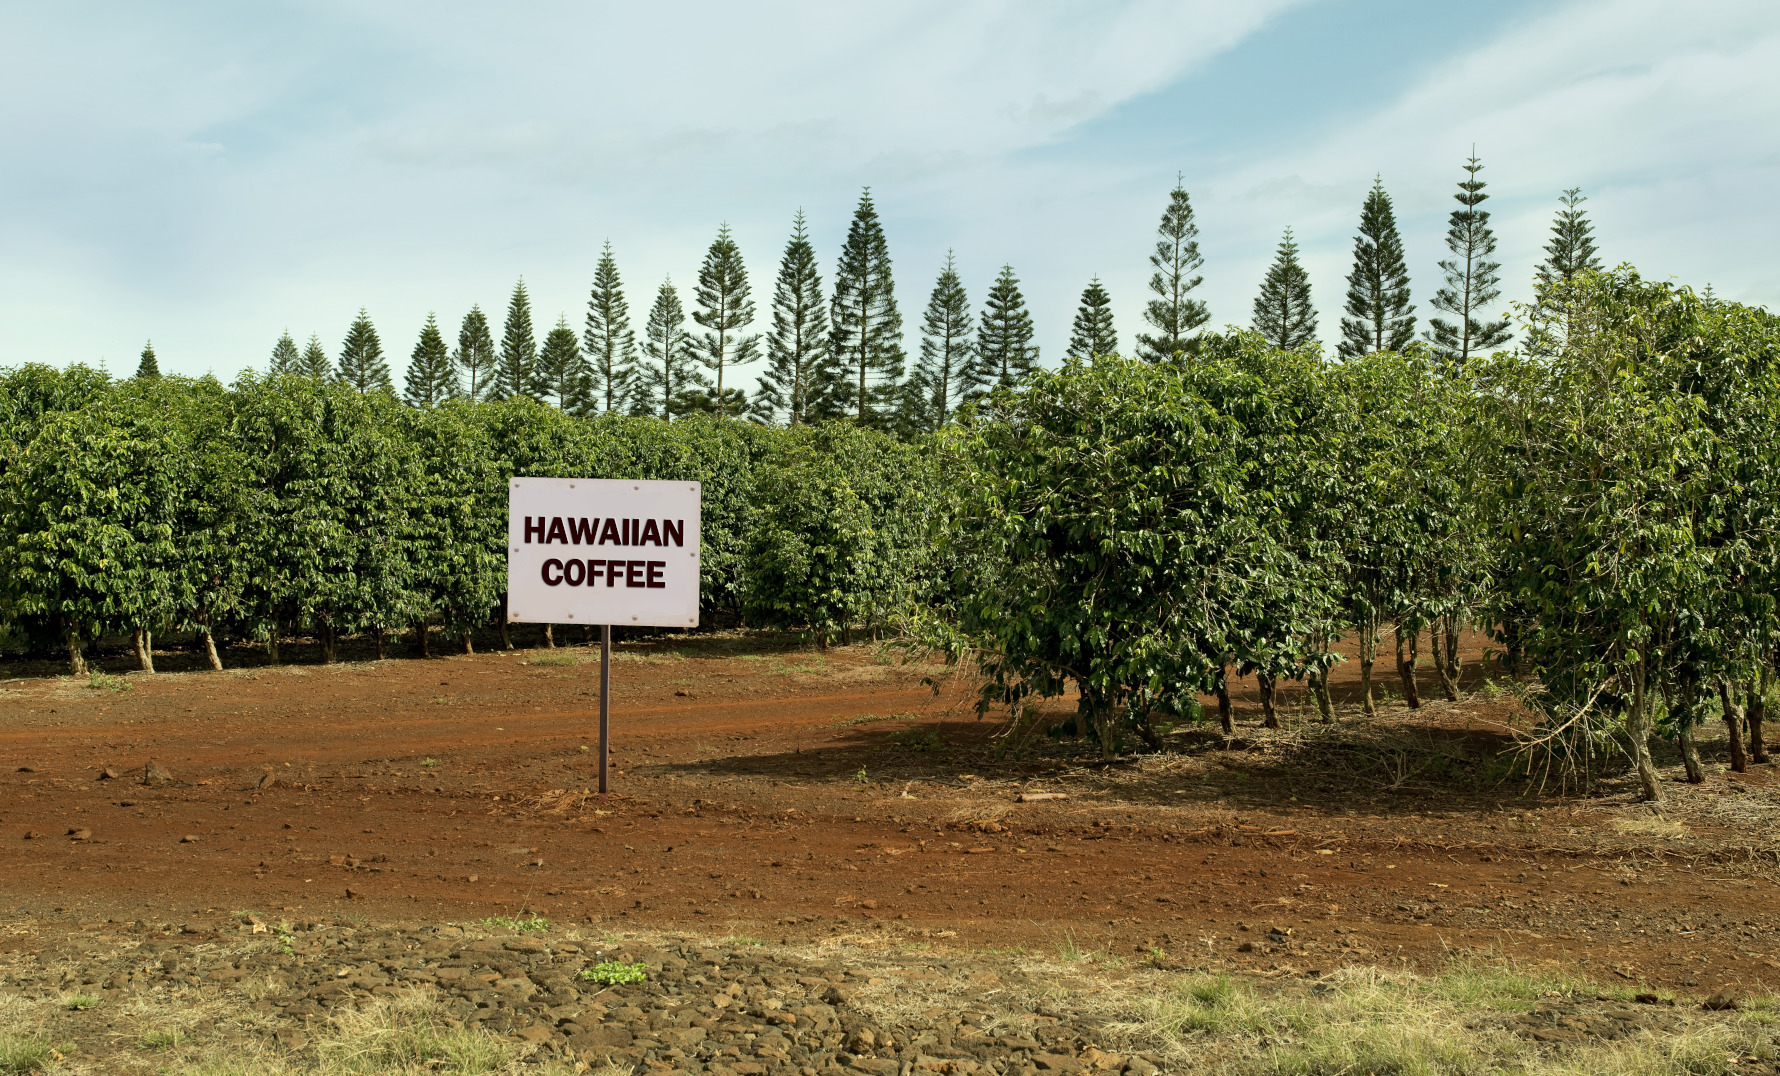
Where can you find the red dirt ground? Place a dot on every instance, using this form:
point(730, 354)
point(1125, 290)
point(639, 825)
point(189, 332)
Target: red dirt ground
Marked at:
point(755, 794)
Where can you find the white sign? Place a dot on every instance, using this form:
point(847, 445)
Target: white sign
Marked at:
point(602, 551)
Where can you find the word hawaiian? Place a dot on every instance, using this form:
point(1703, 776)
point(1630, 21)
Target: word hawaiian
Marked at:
point(574, 573)
point(580, 531)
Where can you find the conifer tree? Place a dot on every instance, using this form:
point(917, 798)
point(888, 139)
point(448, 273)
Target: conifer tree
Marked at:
point(517, 369)
point(315, 362)
point(797, 372)
point(431, 378)
point(1379, 314)
point(1093, 335)
point(148, 368)
point(475, 356)
point(286, 359)
point(1005, 353)
point(725, 311)
point(361, 356)
point(563, 372)
point(1572, 246)
point(944, 372)
point(1473, 281)
point(610, 341)
point(867, 328)
point(1174, 314)
point(1283, 311)
point(671, 372)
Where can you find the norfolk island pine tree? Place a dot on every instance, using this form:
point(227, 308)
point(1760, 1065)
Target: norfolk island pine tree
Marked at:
point(1092, 334)
point(1174, 313)
point(725, 311)
point(475, 355)
point(948, 350)
point(315, 362)
point(1379, 314)
point(516, 371)
point(866, 325)
point(798, 370)
point(563, 372)
point(1473, 281)
point(361, 356)
point(285, 357)
point(609, 340)
point(431, 377)
point(1005, 353)
point(148, 367)
point(1284, 314)
point(670, 370)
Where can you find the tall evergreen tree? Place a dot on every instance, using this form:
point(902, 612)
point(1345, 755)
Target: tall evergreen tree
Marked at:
point(672, 370)
point(1283, 311)
point(285, 357)
point(725, 311)
point(315, 362)
point(610, 341)
point(1572, 246)
point(1379, 314)
point(517, 369)
point(1005, 352)
point(1174, 314)
point(1093, 334)
point(361, 356)
point(563, 372)
point(431, 378)
point(867, 341)
point(475, 355)
point(948, 350)
point(1473, 281)
point(797, 372)
point(148, 368)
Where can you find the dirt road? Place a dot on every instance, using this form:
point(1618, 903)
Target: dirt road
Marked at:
point(780, 792)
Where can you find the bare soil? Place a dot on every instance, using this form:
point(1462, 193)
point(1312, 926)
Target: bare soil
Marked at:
point(766, 789)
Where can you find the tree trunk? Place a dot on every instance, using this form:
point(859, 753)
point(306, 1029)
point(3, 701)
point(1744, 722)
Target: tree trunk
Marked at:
point(1368, 656)
point(420, 640)
point(1690, 755)
point(1269, 717)
point(1733, 723)
point(1406, 669)
point(1225, 719)
point(378, 635)
point(469, 647)
point(77, 660)
point(506, 640)
point(586, 635)
point(330, 649)
point(1440, 632)
point(145, 655)
point(1513, 646)
point(272, 643)
point(1325, 705)
point(1757, 713)
point(210, 651)
point(1103, 728)
point(550, 636)
point(1638, 729)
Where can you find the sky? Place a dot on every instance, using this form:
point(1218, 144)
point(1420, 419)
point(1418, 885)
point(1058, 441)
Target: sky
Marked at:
point(210, 175)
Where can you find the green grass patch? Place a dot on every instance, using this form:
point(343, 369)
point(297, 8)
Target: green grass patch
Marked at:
point(613, 973)
point(556, 659)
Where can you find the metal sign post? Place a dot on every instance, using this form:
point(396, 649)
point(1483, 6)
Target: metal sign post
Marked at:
point(603, 551)
point(605, 701)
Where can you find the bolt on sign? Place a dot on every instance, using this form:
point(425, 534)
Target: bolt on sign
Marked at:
point(603, 551)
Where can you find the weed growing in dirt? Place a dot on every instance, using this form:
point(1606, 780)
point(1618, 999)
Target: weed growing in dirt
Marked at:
point(916, 739)
point(407, 1031)
point(429, 762)
point(79, 1002)
point(556, 659)
point(21, 1054)
point(866, 719)
point(535, 924)
point(612, 973)
point(860, 778)
point(99, 681)
point(161, 1038)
